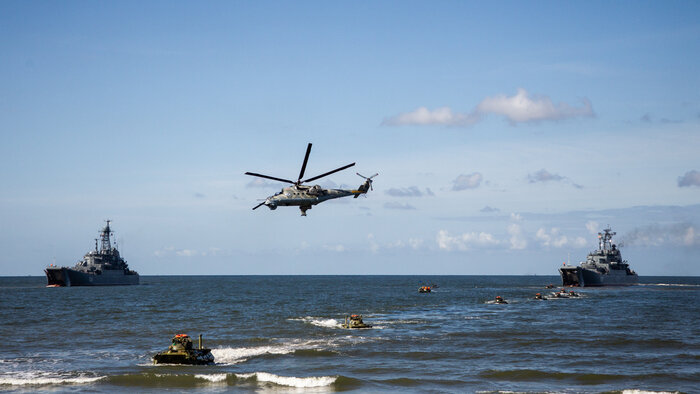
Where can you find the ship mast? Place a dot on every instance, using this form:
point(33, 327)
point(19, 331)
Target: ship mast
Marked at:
point(104, 237)
point(605, 238)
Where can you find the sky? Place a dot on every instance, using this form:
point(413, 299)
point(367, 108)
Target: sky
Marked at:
point(506, 134)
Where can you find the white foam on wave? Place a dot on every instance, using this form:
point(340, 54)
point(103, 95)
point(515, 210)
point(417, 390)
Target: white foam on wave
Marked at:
point(291, 381)
point(647, 392)
point(319, 322)
point(673, 284)
point(45, 378)
point(330, 323)
point(215, 378)
point(232, 355)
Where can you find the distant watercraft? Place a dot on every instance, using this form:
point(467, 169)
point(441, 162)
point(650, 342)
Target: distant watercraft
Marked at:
point(100, 267)
point(603, 267)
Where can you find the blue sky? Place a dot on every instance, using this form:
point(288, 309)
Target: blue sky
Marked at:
point(506, 135)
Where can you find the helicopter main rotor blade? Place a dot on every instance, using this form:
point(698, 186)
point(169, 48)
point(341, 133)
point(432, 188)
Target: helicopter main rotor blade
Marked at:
point(258, 206)
point(329, 172)
point(303, 166)
point(269, 177)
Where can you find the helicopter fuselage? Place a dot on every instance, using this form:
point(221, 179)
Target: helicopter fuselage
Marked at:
point(306, 196)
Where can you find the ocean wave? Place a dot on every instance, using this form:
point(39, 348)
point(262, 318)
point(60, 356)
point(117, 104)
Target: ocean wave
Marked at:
point(529, 375)
point(46, 378)
point(232, 355)
point(215, 378)
point(671, 284)
point(319, 322)
point(290, 381)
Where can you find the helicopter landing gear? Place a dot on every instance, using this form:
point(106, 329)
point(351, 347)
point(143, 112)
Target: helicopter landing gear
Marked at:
point(304, 209)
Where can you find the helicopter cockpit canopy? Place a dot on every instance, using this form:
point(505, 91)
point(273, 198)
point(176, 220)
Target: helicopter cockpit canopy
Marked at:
point(315, 190)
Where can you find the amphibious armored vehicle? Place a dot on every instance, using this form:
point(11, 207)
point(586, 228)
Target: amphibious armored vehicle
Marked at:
point(182, 352)
point(355, 321)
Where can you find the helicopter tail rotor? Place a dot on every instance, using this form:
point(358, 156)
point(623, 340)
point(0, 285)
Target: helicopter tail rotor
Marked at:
point(367, 185)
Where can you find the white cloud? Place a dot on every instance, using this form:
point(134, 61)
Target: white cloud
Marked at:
point(334, 248)
point(523, 108)
point(678, 234)
point(592, 227)
point(469, 181)
point(398, 205)
point(163, 252)
point(186, 252)
point(412, 243)
point(464, 241)
point(424, 116)
point(517, 239)
point(170, 251)
point(412, 191)
point(373, 245)
point(415, 243)
point(554, 239)
point(264, 184)
point(691, 178)
point(546, 176)
point(520, 108)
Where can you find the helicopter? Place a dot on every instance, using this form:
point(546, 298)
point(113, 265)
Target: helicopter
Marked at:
point(305, 196)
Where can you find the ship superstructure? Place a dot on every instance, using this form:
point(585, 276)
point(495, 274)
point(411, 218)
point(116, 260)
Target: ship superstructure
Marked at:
point(603, 267)
point(103, 266)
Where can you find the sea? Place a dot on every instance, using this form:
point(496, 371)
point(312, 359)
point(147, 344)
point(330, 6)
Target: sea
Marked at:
point(283, 334)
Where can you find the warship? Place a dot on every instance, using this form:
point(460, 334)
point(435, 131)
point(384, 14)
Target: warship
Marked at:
point(99, 267)
point(603, 267)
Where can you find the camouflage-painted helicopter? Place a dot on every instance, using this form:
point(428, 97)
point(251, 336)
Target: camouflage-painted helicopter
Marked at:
point(306, 196)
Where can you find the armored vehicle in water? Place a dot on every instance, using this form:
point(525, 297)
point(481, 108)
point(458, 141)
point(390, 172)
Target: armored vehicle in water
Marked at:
point(182, 352)
point(603, 267)
point(355, 321)
point(100, 267)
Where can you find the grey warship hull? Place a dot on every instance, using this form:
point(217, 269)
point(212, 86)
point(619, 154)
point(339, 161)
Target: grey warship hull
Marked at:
point(603, 267)
point(579, 276)
point(64, 276)
point(103, 266)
